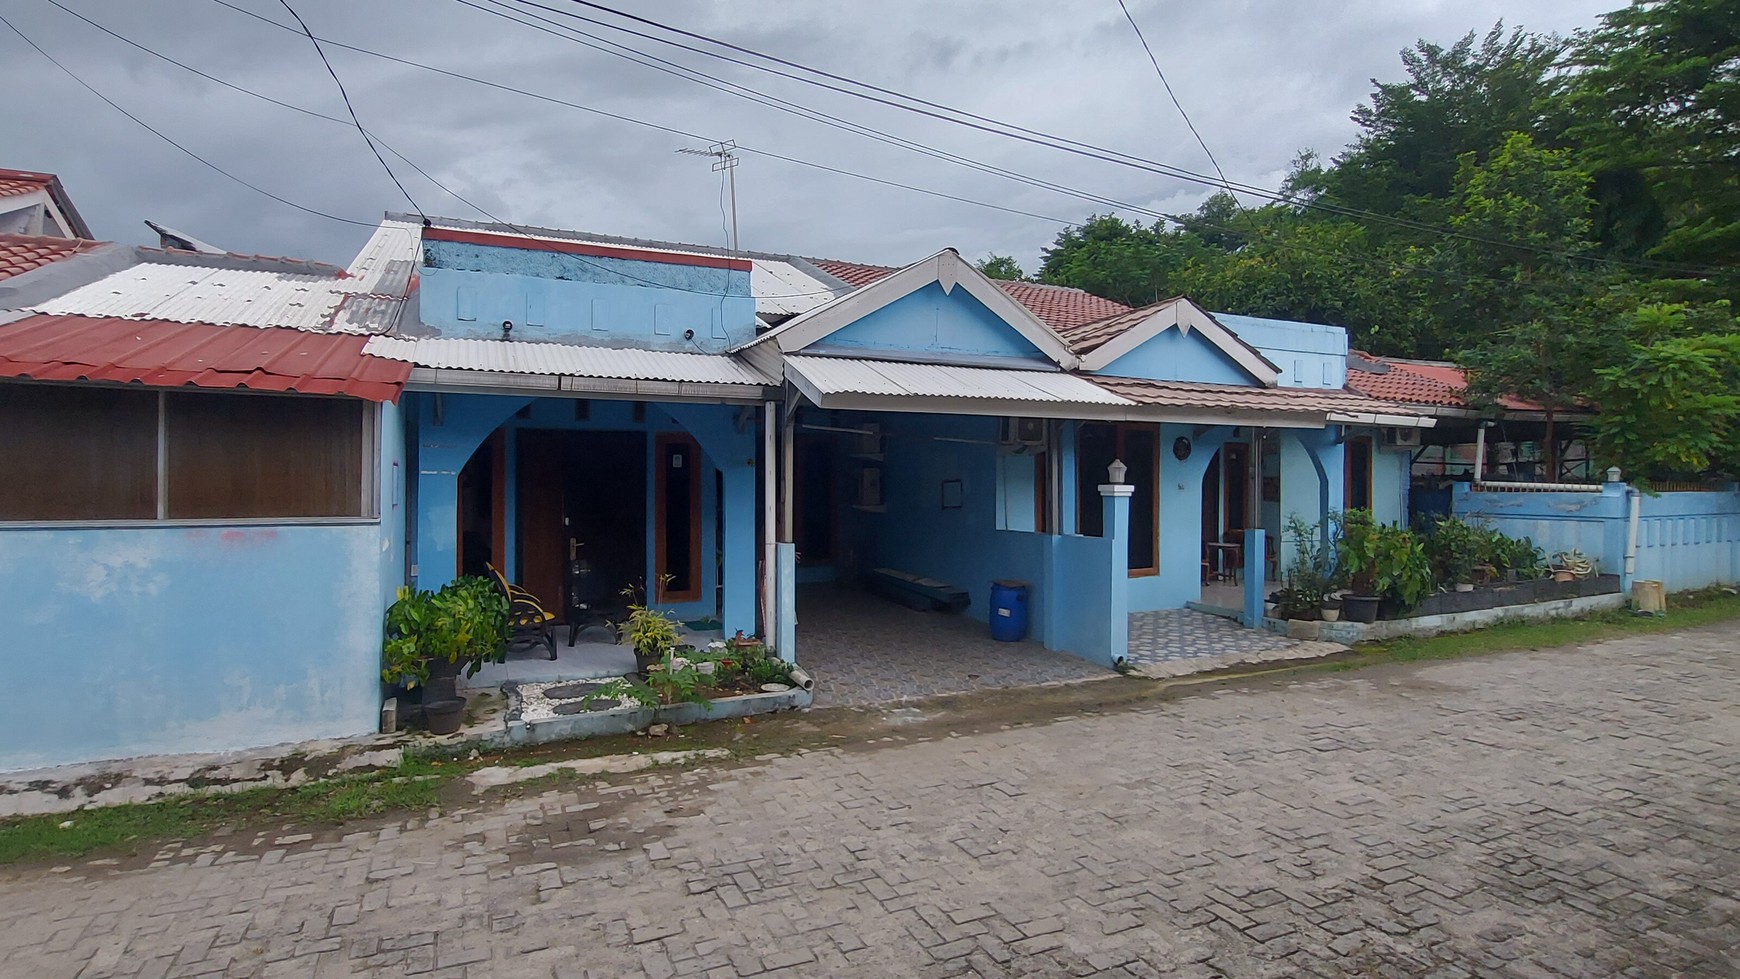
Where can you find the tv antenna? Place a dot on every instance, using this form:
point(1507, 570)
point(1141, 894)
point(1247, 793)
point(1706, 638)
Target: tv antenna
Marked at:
point(724, 158)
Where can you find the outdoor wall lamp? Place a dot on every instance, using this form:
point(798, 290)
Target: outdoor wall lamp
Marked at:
point(1117, 471)
point(507, 329)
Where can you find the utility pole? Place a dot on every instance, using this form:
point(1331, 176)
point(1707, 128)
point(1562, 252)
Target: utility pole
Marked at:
point(724, 158)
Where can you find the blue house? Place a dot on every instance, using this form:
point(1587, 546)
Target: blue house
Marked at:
point(731, 437)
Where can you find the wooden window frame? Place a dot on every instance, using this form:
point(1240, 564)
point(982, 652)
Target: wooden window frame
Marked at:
point(697, 577)
point(369, 487)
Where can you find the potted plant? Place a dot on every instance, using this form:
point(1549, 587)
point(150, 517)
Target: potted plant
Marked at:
point(432, 635)
point(1379, 563)
point(1454, 550)
point(652, 634)
point(1330, 609)
point(1309, 572)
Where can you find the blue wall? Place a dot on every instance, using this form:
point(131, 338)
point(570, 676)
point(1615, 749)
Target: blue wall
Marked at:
point(1302, 491)
point(1391, 480)
point(468, 419)
point(932, 324)
point(468, 290)
point(1310, 355)
point(1685, 540)
point(176, 638)
point(1180, 577)
point(1172, 356)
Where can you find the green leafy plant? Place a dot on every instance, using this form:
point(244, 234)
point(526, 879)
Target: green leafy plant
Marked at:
point(1376, 559)
point(1310, 573)
point(676, 680)
point(627, 688)
point(1454, 549)
point(465, 622)
point(766, 669)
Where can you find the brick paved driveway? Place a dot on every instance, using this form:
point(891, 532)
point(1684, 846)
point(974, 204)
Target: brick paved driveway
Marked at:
point(1566, 812)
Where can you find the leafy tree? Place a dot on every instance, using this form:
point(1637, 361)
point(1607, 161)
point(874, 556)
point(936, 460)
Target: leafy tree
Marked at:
point(1456, 100)
point(1653, 104)
point(1001, 267)
point(1671, 407)
point(1126, 262)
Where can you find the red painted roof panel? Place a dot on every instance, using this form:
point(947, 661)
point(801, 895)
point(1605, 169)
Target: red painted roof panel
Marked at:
point(162, 354)
point(1421, 383)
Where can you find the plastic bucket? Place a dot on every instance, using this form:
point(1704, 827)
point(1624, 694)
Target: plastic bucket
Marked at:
point(1009, 611)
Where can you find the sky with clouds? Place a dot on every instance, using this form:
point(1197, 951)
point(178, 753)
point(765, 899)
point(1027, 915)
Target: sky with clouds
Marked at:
point(1261, 80)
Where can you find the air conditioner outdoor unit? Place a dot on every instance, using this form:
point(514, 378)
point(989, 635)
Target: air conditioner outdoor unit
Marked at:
point(870, 486)
point(1023, 431)
point(1402, 438)
point(868, 441)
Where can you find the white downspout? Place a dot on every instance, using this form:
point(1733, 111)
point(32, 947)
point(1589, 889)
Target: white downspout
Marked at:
point(769, 516)
point(1634, 499)
point(1479, 455)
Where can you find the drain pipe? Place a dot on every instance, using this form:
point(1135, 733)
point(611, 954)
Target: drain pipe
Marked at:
point(1634, 504)
point(1480, 454)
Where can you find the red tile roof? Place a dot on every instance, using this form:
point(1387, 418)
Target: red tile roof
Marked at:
point(1059, 307)
point(162, 354)
point(21, 253)
point(1179, 394)
point(15, 182)
point(1420, 382)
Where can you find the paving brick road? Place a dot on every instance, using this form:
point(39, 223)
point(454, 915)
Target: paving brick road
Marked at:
point(1554, 813)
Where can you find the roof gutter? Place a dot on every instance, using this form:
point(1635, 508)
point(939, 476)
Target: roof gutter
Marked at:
point(1377, 418)
point(570, 386)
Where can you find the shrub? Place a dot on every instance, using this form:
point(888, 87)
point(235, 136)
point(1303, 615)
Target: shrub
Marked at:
point(1376, 559)
point(466, 621)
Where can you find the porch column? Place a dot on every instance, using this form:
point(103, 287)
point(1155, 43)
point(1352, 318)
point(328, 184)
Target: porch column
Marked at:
point(1255, 559)
point(738, 574)
point(1115, 501)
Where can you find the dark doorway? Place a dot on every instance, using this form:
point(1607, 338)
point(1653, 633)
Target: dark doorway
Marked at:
point(1358, 474)
point(582, 505)
point(483, 507)
point(813, 500)
point(1237, 462)
point(1138, 447)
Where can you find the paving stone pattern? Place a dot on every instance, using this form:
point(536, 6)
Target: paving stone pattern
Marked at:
point(865, 650)
point(1182, 634)
point(1555, 813)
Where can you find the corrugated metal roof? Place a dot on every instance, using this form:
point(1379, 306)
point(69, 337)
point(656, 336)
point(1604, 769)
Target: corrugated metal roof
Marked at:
point(569, 360)
point(1178, 394)
point(782, 289)
point(201, 294)
point(846, 375)
point(164, 354)
point(388, 259)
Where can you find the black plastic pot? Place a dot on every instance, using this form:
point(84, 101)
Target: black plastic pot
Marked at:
point(444, 716)
point(1359, 608)
point(443, 680)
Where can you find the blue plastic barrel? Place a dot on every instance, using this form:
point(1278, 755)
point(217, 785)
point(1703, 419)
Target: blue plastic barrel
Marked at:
point(1009, 611)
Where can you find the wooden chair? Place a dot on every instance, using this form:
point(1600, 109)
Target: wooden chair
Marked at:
point(528, 621)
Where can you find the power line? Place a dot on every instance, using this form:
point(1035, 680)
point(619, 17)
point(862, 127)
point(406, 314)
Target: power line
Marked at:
point(350, 108)
point(1360, 257)
point(647, 124)
point(1010, 130)
point(161, 135)
point(258, 95)
point(1176, 104)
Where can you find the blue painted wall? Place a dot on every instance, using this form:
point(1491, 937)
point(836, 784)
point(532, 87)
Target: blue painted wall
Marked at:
point(176, 638)
point(468, 419)
point(1310, 355)
point(1180, 577)
point(1172, 356)
point(1391, 478)
point(934, 323)
point(1302, 492)
point(468, 290)
point(1685, 540)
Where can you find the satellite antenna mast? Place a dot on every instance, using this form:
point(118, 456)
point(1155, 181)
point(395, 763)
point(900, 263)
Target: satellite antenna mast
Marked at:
point(724, 158)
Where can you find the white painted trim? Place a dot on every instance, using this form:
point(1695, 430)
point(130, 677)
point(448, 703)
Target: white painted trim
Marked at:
point(557, 385)
point(1186, 316)
point(1391, 421)
point(946, 268)
point(1065, 410)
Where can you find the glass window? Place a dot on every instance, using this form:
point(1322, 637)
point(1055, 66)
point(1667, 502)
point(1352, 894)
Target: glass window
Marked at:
point(77, 453)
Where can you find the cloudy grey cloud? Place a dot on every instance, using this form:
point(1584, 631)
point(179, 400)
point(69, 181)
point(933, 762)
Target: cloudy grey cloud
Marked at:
point(1260, 78)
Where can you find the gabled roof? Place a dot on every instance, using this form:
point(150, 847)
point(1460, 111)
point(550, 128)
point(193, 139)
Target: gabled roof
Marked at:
point(14, 183)
point(946, 268)
point(1120, 334)
point(1335, 405)
point(24, 253)
point(1059, 307)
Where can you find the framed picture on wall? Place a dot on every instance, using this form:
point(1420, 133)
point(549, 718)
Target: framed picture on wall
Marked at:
point(952, 494)
point(1271, 489)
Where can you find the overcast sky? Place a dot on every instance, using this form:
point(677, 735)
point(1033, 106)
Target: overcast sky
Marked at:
point(1261, 79)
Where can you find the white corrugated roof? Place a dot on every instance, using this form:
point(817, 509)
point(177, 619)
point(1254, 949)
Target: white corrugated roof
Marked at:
point(570, 360)
point(386, 262)
point(782, 289)
point(846, 375)
point(199, 294)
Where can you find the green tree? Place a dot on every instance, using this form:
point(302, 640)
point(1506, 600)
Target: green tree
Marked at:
point(1671, 407)
point(1653, 106)
point(1110, 257)
point(1001, 267)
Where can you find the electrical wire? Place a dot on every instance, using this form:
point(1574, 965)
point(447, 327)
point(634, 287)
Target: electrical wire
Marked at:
point(167, 139)
point(997, 127)
point(262, 97)
point(1175, 103)
point(350, 108)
